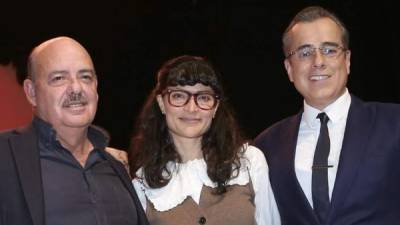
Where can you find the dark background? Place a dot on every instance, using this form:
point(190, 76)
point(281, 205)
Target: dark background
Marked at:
point(128, 41)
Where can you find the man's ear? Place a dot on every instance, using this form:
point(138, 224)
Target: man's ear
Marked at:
point(161, 104)
point(30, 91)
point(288, 68)
point(348, 54)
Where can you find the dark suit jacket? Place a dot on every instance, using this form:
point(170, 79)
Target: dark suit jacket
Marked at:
point(367, 185)
point(21, 193)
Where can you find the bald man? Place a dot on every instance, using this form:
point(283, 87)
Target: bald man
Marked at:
point(56, 171)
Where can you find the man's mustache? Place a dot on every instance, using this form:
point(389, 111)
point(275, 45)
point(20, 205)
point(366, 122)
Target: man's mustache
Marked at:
point(75, 99)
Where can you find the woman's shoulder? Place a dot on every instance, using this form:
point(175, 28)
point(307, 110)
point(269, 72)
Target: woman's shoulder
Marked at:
point(252, 155)
point(187, 179)
point(251, 151)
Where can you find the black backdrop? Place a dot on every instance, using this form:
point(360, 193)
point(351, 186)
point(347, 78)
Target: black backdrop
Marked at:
point(128, 41)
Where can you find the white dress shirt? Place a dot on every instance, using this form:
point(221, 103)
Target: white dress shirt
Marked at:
point(191, 176)
point(308, 137)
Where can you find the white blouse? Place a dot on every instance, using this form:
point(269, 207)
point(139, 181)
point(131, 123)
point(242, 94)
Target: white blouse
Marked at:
point(188, 179)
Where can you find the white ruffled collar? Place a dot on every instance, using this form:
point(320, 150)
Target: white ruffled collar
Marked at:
point(187, 181)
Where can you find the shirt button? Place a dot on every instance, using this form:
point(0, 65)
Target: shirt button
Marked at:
point(202, 220)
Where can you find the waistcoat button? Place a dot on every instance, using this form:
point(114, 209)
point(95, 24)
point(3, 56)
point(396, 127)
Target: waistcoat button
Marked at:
point(202, 220)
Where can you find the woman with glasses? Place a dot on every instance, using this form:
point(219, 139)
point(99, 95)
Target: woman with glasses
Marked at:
point(190, 163)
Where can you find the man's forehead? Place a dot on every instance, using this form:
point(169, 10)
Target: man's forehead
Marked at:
point(55, 42)
point(60, 49)
point(321, 24)
point(317, 32)
point(62, 56)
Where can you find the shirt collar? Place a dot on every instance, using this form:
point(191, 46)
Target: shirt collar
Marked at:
point(45, 131)
point(336, 111)
point(97, 136)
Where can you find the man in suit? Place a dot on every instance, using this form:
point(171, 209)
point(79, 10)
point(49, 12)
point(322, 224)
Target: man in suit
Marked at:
point(56, 170)
point(341, 168)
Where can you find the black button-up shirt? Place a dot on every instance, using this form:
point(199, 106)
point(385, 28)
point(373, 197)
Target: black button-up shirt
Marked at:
point(76, 195)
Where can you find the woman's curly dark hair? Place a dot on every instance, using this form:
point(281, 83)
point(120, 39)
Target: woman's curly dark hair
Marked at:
point(152, 146)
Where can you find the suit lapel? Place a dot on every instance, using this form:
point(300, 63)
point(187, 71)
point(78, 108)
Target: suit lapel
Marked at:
point(303, 211)
point(358, 128)
point(26, 153)
point(288, 162)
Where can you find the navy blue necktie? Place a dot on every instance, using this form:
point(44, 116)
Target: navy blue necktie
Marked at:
point(320, 189)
